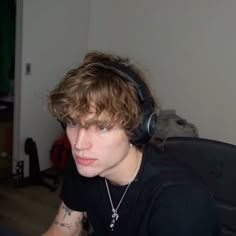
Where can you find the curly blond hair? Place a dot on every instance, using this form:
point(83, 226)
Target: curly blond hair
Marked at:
point(103, 90)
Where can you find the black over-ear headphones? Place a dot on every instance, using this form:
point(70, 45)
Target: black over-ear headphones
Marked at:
point(144, 132)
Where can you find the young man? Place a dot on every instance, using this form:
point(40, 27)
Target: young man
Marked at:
point(113, 178)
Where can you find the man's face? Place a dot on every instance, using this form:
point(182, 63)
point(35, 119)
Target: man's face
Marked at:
point(97, 150)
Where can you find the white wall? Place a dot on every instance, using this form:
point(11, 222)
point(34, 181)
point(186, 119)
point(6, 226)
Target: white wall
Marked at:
point(189, 47)
point(54, 39)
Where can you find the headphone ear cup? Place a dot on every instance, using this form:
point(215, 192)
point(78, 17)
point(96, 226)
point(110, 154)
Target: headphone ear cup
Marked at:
point(147, 127)
point(137, 136)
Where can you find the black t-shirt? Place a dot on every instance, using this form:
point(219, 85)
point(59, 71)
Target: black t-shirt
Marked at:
point(181, 209)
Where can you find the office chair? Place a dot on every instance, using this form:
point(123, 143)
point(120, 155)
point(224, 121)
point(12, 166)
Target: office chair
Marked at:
point(215, 162)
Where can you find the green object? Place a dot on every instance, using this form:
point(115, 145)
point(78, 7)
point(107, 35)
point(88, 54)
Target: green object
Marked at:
point(7, 43)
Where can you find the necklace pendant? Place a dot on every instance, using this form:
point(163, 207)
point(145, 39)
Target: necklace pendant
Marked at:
point(112, 225)
point(114, 217)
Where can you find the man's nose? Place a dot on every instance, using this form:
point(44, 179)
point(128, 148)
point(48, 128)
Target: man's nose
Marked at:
point(82, 139)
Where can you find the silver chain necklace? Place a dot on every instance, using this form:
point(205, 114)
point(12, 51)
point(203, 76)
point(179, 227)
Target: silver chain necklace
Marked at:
point(115, 215)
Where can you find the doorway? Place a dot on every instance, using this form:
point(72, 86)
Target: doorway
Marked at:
point(7, 82)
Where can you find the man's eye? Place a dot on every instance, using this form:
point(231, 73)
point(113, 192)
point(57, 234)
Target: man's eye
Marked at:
point(72, 125)
point(102, 128)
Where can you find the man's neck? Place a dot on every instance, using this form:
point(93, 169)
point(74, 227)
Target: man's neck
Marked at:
point(126, 170)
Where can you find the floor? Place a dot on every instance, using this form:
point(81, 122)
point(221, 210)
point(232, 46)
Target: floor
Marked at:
point(28, 210)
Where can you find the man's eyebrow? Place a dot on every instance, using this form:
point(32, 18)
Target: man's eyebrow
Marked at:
point(95, 120)
point(99, 122)
point(105, 123)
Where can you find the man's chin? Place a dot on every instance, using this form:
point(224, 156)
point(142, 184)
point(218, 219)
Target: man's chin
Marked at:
point(86, 172)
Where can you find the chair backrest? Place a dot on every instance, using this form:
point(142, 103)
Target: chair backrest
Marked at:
point(215, 162)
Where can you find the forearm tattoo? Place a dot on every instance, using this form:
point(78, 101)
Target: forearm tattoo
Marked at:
point(64, 225)
point(67, 210)
point(65, 220)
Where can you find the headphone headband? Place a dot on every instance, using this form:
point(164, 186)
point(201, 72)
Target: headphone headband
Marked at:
point(128, 74)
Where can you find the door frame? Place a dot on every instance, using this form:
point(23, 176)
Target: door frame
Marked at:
point(17, 84)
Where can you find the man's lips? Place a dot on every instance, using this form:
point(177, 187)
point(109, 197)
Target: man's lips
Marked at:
point(85, 161)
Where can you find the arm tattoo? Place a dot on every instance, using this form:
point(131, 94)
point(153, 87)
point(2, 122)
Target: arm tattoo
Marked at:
point(68, 224)
point(67, 210)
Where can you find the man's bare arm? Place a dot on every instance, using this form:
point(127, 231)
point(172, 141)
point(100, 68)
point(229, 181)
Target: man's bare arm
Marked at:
point(66, 223)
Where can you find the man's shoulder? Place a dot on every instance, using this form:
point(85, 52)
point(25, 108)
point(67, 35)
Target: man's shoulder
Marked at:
point(165, 176)
point(161, 167)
